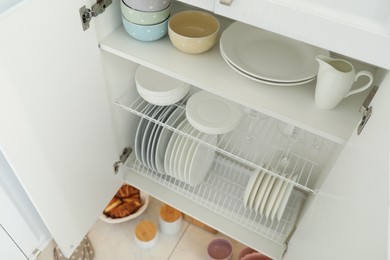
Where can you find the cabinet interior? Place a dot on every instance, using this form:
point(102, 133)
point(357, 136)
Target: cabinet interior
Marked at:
point(263, 137)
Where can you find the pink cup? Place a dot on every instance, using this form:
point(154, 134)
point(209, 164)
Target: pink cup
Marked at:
point(220, 249)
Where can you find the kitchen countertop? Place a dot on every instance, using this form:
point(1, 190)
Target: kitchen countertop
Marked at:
point(115, 241)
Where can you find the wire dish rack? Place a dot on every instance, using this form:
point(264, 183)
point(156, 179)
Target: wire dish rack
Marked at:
point(259, 143)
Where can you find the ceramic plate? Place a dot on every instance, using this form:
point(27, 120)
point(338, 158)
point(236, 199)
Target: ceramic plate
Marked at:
point(255, 189)
point(212, 114)
point(202, 159)
point(261, 192)
point(275, 83)
point(267, 193)
point(145, 202)
point(150, 151)
point(285, 198)
point(269, 56)
point(179, 151)
point(140, 132)
point(174, 120)
point(249, 186)
point(155, 113)
point(185, 154)
point(157, 135)
point(272, 197)
point(168, 155)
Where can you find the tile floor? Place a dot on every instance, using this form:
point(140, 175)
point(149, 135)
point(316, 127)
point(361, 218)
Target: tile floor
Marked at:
point(115, 241)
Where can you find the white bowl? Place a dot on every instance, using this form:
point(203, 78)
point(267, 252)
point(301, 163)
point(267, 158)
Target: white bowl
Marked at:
point(145, 203)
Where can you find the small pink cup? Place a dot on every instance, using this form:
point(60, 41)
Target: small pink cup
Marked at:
point(220, 249)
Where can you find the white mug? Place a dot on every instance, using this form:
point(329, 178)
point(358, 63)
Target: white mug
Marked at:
point(334, 81)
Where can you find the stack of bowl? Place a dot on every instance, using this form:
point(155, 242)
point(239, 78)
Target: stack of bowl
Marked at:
point(146, 20)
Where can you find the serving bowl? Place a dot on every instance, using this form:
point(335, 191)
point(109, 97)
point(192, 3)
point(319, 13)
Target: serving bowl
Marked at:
point(148, 5)
point(146, 33)
point(142, 17)
point(193, 31)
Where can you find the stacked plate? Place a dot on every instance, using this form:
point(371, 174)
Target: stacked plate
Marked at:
point(169, 152)
point(159, 89)
point(212, 114)
point(268, 57)
point(267, 194)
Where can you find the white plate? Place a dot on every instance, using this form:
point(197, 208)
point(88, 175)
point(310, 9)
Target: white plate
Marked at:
point(145, 202)
point(201, 159)
point(174, 120)
point(179, 145)
point(272, 197)
point(212, 114)
point(150, 152)
point(140, 132)
point(275, 83)
point(249, 186)
point(158, 88)
point(285, 198)
point(169, 151)
point(255, 188)
point(269, 56)
point(267, 193)
point(147, 134)
point(184, 154)
point(157, 135)
point(261, 191)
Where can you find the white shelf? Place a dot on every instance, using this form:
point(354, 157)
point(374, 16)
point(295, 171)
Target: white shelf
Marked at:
point(294, 105)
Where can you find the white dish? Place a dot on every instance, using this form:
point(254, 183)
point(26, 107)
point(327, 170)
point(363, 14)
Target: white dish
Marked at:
point(140, 133)
point(255, 188)
point(145, 202)
point(147, 134)
point(261, 191)
point(157, 135)
point(267, 193)
point(285, 198)
point(158, 88)
point(184, 154)
point(150, 152)
point(269, 56)
point(179, 145)
point(169, 152)
point(249, 186)
point(176, 117)
point(268, 82)
point(202, 157)
point(272, 197)
point(212, 114)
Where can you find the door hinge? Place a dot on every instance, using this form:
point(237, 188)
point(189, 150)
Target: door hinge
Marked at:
point(86, 14)
point(366, 109)
point(122, 159)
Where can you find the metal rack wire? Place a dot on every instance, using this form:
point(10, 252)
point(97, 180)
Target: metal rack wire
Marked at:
point(257, 142)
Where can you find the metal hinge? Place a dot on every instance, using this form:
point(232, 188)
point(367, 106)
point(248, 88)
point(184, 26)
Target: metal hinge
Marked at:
point(86, 14)
point(366, 109)
point(125, 154)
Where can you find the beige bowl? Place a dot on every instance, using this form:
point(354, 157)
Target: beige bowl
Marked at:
point(193, 31)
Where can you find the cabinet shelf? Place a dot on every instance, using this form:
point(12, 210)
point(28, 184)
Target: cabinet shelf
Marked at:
point(208, 71)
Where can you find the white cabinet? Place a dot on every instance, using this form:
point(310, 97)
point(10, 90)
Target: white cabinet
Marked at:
point(204, 4)
point(67, 130)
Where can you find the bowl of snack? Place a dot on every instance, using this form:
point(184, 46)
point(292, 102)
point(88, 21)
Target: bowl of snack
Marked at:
point(128, 203)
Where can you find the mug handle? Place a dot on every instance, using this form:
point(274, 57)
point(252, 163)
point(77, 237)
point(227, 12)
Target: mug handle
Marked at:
point(361, 73)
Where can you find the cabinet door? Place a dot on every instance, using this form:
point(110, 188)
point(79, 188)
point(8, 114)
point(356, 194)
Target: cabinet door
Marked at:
point(56, 128)
point(349, 217)
point(9, 250)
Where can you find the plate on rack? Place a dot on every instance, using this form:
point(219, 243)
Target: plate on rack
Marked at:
point(269, 56)
point(255, 188)
point(168, 158)
point(285, 196)
point(140, 131)
point(173, 120)
point(212, 114)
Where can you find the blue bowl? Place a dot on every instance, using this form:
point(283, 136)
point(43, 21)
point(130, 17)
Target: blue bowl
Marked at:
point(146, 33)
